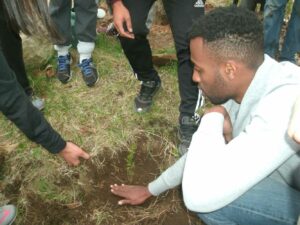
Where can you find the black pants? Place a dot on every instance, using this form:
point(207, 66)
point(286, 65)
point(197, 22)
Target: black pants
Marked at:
point(14, 103)
point(251, 4)
point(181, 14)
point(11, 43)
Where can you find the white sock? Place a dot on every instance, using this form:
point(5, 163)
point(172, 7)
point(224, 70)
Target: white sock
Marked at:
point(62, 50)
point(85, 50)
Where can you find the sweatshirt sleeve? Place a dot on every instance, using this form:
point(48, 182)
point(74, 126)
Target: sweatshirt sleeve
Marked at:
point(169, 179)
point(217, 173)
point(172, 177)
point(16, 106)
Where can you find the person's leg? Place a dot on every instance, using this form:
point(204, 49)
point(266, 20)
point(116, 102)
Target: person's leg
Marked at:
point(235, 2)
point(291, 44)
point(269, 202)
point(139, 55)
point(181, 14)
point(85, 27)
point(248, 4)
point(138, 51)
point(273, 18)
point(13, 52)
point(86, 19)
point(262, 5)
point(151, 16)
point(60, 12)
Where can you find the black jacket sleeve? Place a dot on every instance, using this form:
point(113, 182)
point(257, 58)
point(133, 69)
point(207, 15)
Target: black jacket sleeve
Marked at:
point(17, 107)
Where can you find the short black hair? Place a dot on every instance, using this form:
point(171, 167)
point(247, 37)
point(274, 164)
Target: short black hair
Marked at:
point(231, 33)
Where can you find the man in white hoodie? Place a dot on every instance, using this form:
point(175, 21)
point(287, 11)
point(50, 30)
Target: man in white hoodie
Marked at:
point(241, 167)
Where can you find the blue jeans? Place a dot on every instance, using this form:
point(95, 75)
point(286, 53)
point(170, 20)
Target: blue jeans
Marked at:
point(267, 203)
point(273, 19)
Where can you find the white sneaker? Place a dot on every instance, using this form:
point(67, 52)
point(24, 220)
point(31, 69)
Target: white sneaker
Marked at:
point(101, 13)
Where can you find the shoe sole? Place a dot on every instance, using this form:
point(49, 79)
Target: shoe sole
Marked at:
point(13, 220)
point(92, 85)
point(71, 72)
point(70, 77)
point(145, 110)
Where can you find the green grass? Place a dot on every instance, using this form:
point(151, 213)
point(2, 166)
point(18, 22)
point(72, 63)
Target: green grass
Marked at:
point(99, 119)
point(130, 160)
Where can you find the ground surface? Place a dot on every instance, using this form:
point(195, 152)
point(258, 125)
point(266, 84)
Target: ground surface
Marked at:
point(125, 147)
point(97, 205)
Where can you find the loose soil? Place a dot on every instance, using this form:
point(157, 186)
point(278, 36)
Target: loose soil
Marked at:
point(97, 205)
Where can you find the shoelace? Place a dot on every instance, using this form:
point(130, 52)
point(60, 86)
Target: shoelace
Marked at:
point(196, 118)
point(85, 66)
point(63, 62)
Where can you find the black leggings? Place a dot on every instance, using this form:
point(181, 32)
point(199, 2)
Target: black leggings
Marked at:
point(181, 14)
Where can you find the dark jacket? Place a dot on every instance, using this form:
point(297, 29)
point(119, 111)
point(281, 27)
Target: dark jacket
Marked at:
point(17, 107)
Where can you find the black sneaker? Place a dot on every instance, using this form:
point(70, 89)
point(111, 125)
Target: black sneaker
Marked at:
point(89, 72)
point(187, 127)
point(111, 30)
point(63, 71)
point(143, 101)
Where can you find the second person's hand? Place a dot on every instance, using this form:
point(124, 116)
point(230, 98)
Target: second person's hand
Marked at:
point(122, 20)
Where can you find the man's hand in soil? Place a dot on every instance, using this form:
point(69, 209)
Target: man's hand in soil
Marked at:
point(72, 154)
point(132, 194)
point(122, 20)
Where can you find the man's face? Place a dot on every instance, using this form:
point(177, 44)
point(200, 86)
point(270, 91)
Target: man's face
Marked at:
point(207, 73)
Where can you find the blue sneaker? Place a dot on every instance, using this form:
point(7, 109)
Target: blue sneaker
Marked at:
point(7, 214)
point(63, 71)
point(89, 72)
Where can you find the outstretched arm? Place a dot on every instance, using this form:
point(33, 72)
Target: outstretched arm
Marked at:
point(15, 105)
point(136, 195)
point(170, 178)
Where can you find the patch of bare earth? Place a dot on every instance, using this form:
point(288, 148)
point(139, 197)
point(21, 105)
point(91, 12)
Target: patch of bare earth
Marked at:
point(95, 204)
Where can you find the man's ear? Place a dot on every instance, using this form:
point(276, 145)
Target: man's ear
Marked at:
point(230, 69)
